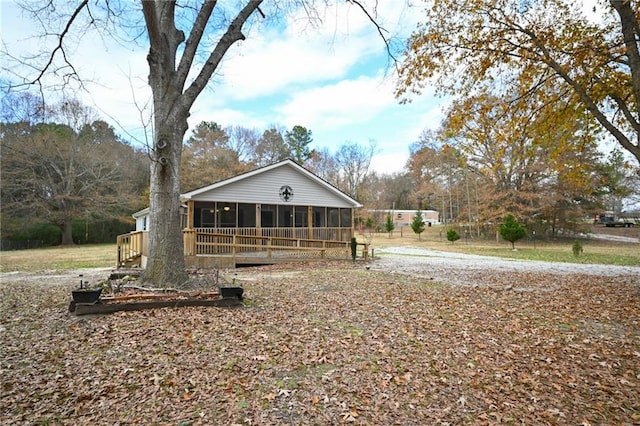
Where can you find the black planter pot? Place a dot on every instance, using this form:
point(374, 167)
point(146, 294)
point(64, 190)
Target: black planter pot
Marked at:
point(227, 292)
point(86, 295)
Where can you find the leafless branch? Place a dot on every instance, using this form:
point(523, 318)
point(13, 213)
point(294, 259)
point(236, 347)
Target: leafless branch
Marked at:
point(381, 31)
point(195, 36)
point(233, 34)
point(59, 47)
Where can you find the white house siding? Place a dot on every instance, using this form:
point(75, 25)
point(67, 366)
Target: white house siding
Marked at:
point(142, 219)
point(141, 223)
point(265, 188)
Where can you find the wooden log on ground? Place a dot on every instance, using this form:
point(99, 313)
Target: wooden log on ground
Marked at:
point(156, 296)
point(108, 308)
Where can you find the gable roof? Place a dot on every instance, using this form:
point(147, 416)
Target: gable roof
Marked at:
point(288, 165)
point(141, 213)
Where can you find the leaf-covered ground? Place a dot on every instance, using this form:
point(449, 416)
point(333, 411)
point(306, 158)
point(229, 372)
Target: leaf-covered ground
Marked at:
point(328, 344)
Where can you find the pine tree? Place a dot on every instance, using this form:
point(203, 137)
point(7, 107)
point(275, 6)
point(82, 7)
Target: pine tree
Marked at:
point(452, 235)
point(388, 226)
point(511, 230)
point(418, 225)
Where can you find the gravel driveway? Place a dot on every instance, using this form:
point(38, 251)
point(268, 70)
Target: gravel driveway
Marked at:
point(440, 266)
point(468, 269)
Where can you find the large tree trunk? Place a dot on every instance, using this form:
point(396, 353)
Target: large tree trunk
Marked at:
point(166, 266)
point(67, 233)
point(631, 33)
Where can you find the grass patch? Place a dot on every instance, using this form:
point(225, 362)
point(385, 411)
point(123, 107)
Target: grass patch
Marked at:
point(561, 252)
point(59, 258)
point(595, 252)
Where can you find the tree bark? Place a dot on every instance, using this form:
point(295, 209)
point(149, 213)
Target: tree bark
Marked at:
point(166, 265)
point(67, 233)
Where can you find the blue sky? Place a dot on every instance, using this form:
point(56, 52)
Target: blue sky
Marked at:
point(334, 79)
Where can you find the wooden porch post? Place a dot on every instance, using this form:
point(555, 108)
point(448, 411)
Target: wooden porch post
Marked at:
point(353, 223)
point(189, 238)
point(310, 222)
point(190, 214)
point(258, 220)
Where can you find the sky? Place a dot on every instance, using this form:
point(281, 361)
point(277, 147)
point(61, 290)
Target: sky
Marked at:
point(333, 78)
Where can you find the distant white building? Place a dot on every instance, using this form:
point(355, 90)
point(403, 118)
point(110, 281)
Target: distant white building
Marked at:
point(405, 217)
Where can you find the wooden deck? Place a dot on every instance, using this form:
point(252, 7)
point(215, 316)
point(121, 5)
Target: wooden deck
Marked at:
point(209, 248)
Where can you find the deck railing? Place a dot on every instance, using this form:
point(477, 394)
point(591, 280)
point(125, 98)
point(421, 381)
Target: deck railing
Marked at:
point(131, 246)
point(327, 234)
point(303, 243)
point(274, 242)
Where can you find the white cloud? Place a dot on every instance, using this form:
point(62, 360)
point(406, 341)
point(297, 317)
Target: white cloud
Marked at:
point(264, 67)
point(226, 117)
point(389, 162)
point(334, 105)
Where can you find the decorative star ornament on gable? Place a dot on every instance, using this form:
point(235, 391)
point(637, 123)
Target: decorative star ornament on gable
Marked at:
point(286, 193)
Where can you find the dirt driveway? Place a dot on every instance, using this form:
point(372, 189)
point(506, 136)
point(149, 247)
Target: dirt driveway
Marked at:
point(48, 278)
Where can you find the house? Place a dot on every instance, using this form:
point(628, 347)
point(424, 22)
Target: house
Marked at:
point(276, 213)
point(405, 217)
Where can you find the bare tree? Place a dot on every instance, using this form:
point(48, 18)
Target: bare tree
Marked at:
point(61, 172)
point(243, 141)
point(323, 164)
point(271, 147)
point(354, 161)
point(207, 157)
point(21, 107)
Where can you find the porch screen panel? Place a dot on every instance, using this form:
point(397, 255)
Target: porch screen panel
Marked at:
point(203, 214)
point(246, 215)
point(268, 216)
point(227, 215)
point(207, 217)
point(319, 217)
point(333, 217)
point(285, 216)
point(345, 218)
point(301, 216)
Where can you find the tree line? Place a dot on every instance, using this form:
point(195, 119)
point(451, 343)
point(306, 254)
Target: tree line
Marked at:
point(537, 86)
point(213, 153)
point(68, 177)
